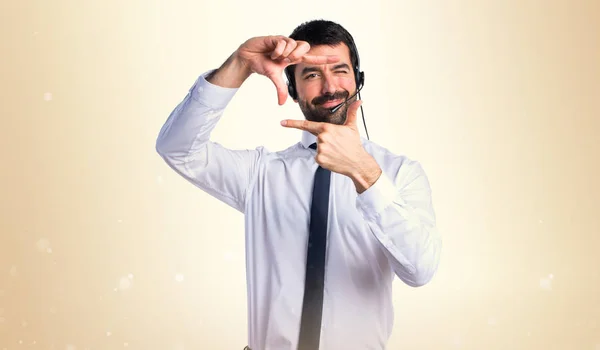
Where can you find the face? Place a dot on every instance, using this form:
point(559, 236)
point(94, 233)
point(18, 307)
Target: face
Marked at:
point(322, 87)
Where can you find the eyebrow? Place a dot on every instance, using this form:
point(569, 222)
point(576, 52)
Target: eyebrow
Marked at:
point(315, 69)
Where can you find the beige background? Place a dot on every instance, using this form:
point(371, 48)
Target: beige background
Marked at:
point(104, 247)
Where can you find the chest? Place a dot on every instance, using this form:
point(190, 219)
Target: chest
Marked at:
point(283, 194)
point(280, 213)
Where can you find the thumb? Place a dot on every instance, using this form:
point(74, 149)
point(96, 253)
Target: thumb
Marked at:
point(282, 91)
point(351, 115)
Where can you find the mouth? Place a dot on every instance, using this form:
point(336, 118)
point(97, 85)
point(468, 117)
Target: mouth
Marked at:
point(332, 103)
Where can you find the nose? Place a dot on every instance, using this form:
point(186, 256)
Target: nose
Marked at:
point(329, 84)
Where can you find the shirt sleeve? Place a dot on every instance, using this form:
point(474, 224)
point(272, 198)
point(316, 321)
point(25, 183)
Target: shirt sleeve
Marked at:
point(185, 145)
point(398, 211)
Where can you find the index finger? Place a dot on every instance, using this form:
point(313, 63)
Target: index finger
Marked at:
point(313, 59)
point(313, 127)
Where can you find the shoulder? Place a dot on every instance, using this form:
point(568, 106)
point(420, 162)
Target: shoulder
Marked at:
point(398, 167)
point(293, 151)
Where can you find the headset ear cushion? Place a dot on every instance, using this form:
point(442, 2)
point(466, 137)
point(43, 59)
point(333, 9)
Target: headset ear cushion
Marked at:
point(361, 79)
point(291, 91)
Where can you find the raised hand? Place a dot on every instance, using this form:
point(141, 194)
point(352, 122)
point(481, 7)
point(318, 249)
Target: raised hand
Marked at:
point(339, 147)
point(269, 55)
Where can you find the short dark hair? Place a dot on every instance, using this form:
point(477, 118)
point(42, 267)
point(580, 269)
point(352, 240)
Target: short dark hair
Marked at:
point(322, 32)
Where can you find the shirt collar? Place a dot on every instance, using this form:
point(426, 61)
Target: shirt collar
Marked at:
point(308, 138)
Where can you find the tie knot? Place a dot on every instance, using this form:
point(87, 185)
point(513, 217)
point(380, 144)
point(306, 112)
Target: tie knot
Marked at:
point(313, 146)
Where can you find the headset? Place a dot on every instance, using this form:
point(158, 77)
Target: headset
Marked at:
point(360, 82)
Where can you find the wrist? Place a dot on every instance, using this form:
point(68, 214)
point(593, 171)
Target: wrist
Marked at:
point(240, 64)
point(366, 173)
point(232, 73)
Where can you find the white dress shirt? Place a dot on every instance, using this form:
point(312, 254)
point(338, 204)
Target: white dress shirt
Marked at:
point(388, 230)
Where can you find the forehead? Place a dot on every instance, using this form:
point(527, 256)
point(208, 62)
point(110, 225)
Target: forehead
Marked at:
point(340, 50)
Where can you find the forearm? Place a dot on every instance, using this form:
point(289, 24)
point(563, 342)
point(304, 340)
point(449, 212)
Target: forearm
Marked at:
point(410, 240)
point(365, 174)
point(190, 124)
point(232, 73)
point(401, 217)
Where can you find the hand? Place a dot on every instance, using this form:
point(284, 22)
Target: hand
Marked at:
point(339, 148)
point(269, 55)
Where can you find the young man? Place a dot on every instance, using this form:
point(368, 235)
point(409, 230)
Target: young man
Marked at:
point(330, 220)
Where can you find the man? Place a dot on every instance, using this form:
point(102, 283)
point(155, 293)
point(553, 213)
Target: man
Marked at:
point(330, 220)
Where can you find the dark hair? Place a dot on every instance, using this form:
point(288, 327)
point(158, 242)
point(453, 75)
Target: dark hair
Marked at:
point(323, 32)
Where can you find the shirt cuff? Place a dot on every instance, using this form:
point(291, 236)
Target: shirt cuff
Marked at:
point(372, 202)
point(211, 95)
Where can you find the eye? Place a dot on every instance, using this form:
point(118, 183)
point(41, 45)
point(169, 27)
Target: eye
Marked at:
point(310, 75)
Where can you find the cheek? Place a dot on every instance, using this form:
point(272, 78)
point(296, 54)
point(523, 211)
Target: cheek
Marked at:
point(347, 84)
point(304, 104)
point(308, 93)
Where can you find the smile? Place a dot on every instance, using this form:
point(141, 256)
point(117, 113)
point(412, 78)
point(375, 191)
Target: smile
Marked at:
point(331, 103)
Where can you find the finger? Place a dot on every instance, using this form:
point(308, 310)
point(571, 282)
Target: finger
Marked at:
point(301, 49)
point(291, 45)
point(278, 49)
point(312, 127)
point(313, 59)
point(274, 40)
point(281, 87)
point(352, 112)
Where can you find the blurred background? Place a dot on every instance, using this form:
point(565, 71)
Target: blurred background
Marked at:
point(102, 246)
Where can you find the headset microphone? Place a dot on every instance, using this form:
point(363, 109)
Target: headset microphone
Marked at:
point(334, 109)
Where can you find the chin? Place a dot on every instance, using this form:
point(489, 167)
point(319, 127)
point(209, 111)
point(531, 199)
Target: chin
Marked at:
point(339, 117)
point(336, 119)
